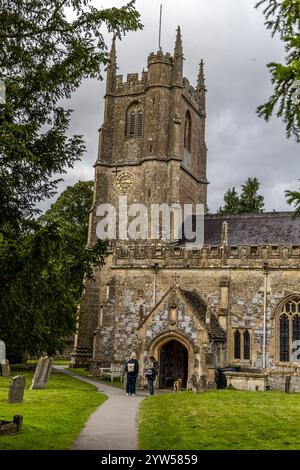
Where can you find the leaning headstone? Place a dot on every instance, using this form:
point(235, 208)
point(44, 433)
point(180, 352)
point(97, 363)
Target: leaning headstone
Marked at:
point(287, 384)
point(42, 373)
point(16, 389)
point(2, 351)
point(18, 421)
point(5, 367)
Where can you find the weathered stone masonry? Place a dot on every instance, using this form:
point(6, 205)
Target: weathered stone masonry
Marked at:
point(232, 302)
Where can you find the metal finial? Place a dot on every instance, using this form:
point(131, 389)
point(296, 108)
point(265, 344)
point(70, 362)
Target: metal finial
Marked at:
point(160, 22)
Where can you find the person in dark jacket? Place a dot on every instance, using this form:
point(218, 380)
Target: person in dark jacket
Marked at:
point(131, 370)
point(151, 374)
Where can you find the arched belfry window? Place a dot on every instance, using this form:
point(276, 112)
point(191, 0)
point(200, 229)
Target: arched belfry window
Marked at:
point(134, 121)
point(188, 132)
point(289, 331)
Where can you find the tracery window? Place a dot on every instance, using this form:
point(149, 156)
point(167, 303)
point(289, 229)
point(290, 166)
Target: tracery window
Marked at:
point(289, 331)
point(134, 121)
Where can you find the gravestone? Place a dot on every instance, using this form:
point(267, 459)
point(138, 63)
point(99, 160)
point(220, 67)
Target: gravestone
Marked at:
point(5, 367)
point(287, 385)
point(42, 373)
point(16, 389)
point(8, 428)
point(2, 351)
point(200, 385)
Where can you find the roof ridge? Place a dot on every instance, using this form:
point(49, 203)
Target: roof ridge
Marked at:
point(245, 215)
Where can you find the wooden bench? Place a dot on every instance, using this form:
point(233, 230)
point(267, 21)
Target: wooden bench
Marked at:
point(113, 372)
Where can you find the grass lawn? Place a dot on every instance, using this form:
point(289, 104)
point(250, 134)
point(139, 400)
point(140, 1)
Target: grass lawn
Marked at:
point(53, 417)
point(62, 362)
point(107, 381)
point(220, 419)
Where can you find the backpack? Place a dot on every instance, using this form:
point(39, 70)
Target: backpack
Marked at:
point(149, 373)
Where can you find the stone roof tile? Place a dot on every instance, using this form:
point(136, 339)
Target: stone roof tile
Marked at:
point(275, 228)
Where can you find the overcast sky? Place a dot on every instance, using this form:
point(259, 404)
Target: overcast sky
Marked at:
point(231, 38)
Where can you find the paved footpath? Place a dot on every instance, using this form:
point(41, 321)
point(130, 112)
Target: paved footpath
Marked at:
point(113, 426)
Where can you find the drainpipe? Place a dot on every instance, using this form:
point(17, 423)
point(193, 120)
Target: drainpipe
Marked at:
point(155, 267)
point(266, 270)
point(100, 317)
point(107, 291)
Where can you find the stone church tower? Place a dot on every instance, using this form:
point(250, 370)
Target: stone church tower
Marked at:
point(152, 142)
point(235, 300)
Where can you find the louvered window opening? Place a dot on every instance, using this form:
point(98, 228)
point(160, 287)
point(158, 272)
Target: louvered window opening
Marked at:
point(135, 124)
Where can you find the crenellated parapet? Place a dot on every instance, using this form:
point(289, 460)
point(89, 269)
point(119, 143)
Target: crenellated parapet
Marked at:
point(134, 83)
point(245, 256)
point(160, 58)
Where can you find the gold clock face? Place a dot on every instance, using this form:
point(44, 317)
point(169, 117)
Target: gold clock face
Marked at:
point(125, 182)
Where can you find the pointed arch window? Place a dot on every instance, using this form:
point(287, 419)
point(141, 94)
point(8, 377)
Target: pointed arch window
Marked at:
point(135, 121)
point(289, 331)
point(188, 132)
point(237, 344)
point(246, 341)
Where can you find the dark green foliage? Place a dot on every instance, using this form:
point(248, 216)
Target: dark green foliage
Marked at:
point(231, 202)
point(70, 214)
point(37, 309)
point(44, 56)
point(283, 17)
point(293, 198)
point(42, 275)
point(248, 201)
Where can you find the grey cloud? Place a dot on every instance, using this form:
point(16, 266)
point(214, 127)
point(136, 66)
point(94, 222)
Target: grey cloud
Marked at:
point(231, 38)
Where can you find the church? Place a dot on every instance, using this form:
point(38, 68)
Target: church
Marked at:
point(233, 304)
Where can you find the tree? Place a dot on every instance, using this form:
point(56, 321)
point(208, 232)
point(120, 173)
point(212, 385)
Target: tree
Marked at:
point(44, 56)
point(43, 273)
point(248, 201)
point(293, 198)
point(232, 203)
point(47, 48)
point(283, 18)
point(70, 214)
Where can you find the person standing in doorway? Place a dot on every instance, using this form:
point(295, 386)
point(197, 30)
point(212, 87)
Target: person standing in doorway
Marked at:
point(131, 370)
point(151, 374)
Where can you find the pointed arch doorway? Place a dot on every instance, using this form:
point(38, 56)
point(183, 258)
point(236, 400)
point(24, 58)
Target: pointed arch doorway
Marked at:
point(173, 360)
